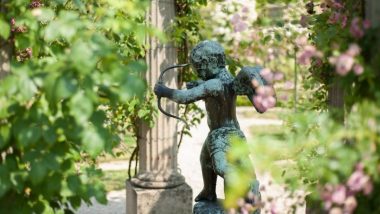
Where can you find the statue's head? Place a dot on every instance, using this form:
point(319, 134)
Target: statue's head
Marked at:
point(208, 59)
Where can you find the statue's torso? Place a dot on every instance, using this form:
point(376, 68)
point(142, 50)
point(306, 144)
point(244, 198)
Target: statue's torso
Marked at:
point(221, 109)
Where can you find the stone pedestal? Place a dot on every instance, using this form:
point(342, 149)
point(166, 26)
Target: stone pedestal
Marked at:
point(177, 200)
point(159, 187)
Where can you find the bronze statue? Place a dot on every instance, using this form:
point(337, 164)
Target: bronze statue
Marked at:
point(219, 89)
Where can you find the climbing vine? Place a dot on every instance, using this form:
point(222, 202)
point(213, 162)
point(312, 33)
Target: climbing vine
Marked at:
point(75, 91)
point(185, 34)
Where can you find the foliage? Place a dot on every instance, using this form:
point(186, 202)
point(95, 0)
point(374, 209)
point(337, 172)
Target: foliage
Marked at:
point(72, 60)
point(335, 39)
point(320, 151)
point(258, 33)
point(336, 163)
point(185, 33)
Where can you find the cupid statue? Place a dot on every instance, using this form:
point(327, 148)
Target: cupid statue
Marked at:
point(218, 89)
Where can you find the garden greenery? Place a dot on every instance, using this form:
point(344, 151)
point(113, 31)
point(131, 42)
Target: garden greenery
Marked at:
point(185, 33)
point(334, 161)
point(75, 91)
point(73, 62)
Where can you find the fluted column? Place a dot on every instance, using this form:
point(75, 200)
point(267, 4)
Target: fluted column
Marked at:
point(158, 186)
point(158, 145)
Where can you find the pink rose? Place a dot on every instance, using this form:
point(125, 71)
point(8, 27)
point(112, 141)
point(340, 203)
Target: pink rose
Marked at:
point(350, 204)
point(235, 18)
point(309, 51)
point(238, 23)
point(265, 91)
point(336, 4)
point(240, 26)
point(326, 196)
point(334, 18)
point(343, 63)
point(267, 74)
point(264, 98)
point(358, 69)
point(257, 101)
point(368, 188)
point(353, 50)
point(245, 9)
point(359, 181)
point(336, 210)
point(339, 194)
point(277, 76)
point(301, 41)
point(366, 24)
point(344, 21)
point(355, 29)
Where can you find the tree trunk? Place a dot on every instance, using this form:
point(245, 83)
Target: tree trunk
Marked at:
point(372, 12)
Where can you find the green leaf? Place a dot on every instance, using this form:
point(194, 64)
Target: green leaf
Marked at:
point(82, 57)
point(5, 29)
point(17, 179)
point(37, 172)
point(28, 135)
point(267, 39)
point(4, 135)
point(27, 88)
point(5, 182)
point(278, 37)
point(65, 87)
point(92, 141)
point(65, 191)
point(59, 87)
point(81, 107)
point(45, 14)
point(80, 5)
point(49, 134)
point(133, 86)
point(64, 27)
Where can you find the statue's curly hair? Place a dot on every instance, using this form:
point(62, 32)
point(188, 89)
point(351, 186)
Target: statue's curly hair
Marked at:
point(205, 50)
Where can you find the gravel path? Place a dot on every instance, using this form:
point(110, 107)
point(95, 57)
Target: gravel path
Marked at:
point(188, 161)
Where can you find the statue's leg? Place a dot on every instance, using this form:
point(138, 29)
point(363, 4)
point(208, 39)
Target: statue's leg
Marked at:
point(209, 176)
point(255, 189)
point(220, 166)
point(219, 163)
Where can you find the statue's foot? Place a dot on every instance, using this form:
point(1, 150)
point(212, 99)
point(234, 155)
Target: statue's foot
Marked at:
point(206, 196)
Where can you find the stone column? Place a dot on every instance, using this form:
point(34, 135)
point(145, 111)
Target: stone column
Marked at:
point(159, 187)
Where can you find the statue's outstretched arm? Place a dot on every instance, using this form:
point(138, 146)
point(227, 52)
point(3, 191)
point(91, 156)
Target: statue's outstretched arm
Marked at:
point(247, 83)
point(206, 89)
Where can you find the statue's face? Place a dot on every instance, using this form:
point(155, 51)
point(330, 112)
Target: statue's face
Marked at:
point(206, 69)
point(207, 59)
point(201, 69)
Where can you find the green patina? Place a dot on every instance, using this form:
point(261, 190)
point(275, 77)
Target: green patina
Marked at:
point(219, 89)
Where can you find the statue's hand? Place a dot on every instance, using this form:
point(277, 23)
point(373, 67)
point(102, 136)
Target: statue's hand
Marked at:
point(192, 84)
point(162, 91)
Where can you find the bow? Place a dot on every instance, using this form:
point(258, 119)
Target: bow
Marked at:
point(161, 81)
